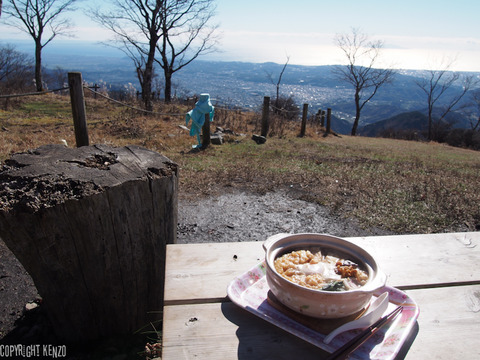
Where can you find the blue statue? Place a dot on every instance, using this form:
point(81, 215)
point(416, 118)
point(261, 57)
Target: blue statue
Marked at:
point(197, 115)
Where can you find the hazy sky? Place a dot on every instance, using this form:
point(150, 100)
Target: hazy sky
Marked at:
point(417, 34)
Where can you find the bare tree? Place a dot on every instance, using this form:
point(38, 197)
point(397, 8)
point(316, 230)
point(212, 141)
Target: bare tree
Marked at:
point(436, 85)
point(38, 18)
point(279, 81)
point(15, 70)
point(137, 27)
point(186, 34)
point(362, 55)
point(161, 31)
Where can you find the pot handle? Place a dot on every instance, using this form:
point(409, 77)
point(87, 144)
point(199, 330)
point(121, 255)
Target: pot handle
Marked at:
point(379, 282)
point(272, 239)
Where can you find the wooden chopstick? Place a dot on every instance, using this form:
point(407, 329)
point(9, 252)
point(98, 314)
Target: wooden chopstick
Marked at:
point(350, 346)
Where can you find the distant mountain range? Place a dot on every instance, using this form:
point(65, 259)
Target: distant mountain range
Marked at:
point(400, 105)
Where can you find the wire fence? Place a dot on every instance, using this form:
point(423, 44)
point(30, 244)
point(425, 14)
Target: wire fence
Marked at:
point(153, 112)
point(132, 107)
point(32, 93)
point(217, 104)
point(269, 118)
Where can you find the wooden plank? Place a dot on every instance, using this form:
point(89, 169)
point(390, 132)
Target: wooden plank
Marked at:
point(449, 323)
point(202, 272)
point(224, 331)
point(448, 328)
point(426, 260)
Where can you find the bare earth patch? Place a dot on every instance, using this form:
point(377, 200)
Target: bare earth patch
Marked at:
point(243, 216)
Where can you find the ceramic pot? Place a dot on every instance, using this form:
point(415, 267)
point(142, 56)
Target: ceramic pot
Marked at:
point(321, 303)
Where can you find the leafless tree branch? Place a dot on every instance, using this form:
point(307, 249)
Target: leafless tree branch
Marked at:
point(186, 35)
point(362, 56)
point(171, 33)
point(436, 85)
point(278, 82)
point(136, 26)
point(36, 16)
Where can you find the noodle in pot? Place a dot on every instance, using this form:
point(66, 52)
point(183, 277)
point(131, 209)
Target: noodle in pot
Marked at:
point(320, 272)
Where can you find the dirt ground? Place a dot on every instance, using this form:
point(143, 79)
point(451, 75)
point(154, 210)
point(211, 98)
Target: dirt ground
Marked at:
point(242, 216)
point(233, 216)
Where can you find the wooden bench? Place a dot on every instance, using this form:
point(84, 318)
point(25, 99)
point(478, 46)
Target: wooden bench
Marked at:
point(439, 272)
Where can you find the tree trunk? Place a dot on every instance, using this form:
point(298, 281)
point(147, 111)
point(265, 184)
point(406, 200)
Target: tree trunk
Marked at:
point(430, 123)
point(168, 85)
point(277, 103)
point(38, 65)
point(147, 90)
point(477, 124)
point(147, 85)
point(148, 74)
point(357, 114)
point(91, 225)
point(355, 126)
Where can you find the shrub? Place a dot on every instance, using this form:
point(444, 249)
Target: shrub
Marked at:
point(16, 71)
point(286, 108)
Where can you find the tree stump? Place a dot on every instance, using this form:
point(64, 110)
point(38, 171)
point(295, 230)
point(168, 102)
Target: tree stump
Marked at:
point(90, 225)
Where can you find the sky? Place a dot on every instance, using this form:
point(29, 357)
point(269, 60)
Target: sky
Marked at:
point(421, 34)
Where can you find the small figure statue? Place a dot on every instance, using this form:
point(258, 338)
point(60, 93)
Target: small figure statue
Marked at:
point(197, 115)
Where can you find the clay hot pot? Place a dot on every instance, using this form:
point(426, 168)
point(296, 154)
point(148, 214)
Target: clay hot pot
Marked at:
point(321, 303)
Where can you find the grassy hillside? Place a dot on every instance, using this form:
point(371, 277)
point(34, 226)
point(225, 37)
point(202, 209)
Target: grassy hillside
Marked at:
point(405, 187)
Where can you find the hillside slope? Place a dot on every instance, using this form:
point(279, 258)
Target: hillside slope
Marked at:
point(412, 121)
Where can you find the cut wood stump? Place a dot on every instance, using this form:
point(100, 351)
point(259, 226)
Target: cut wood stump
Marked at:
point(90, 225)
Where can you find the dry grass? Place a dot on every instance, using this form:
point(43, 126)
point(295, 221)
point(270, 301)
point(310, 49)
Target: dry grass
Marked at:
point(405, 187)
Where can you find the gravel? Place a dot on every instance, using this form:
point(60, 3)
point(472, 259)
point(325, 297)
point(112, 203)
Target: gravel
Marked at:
point(242, 216)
